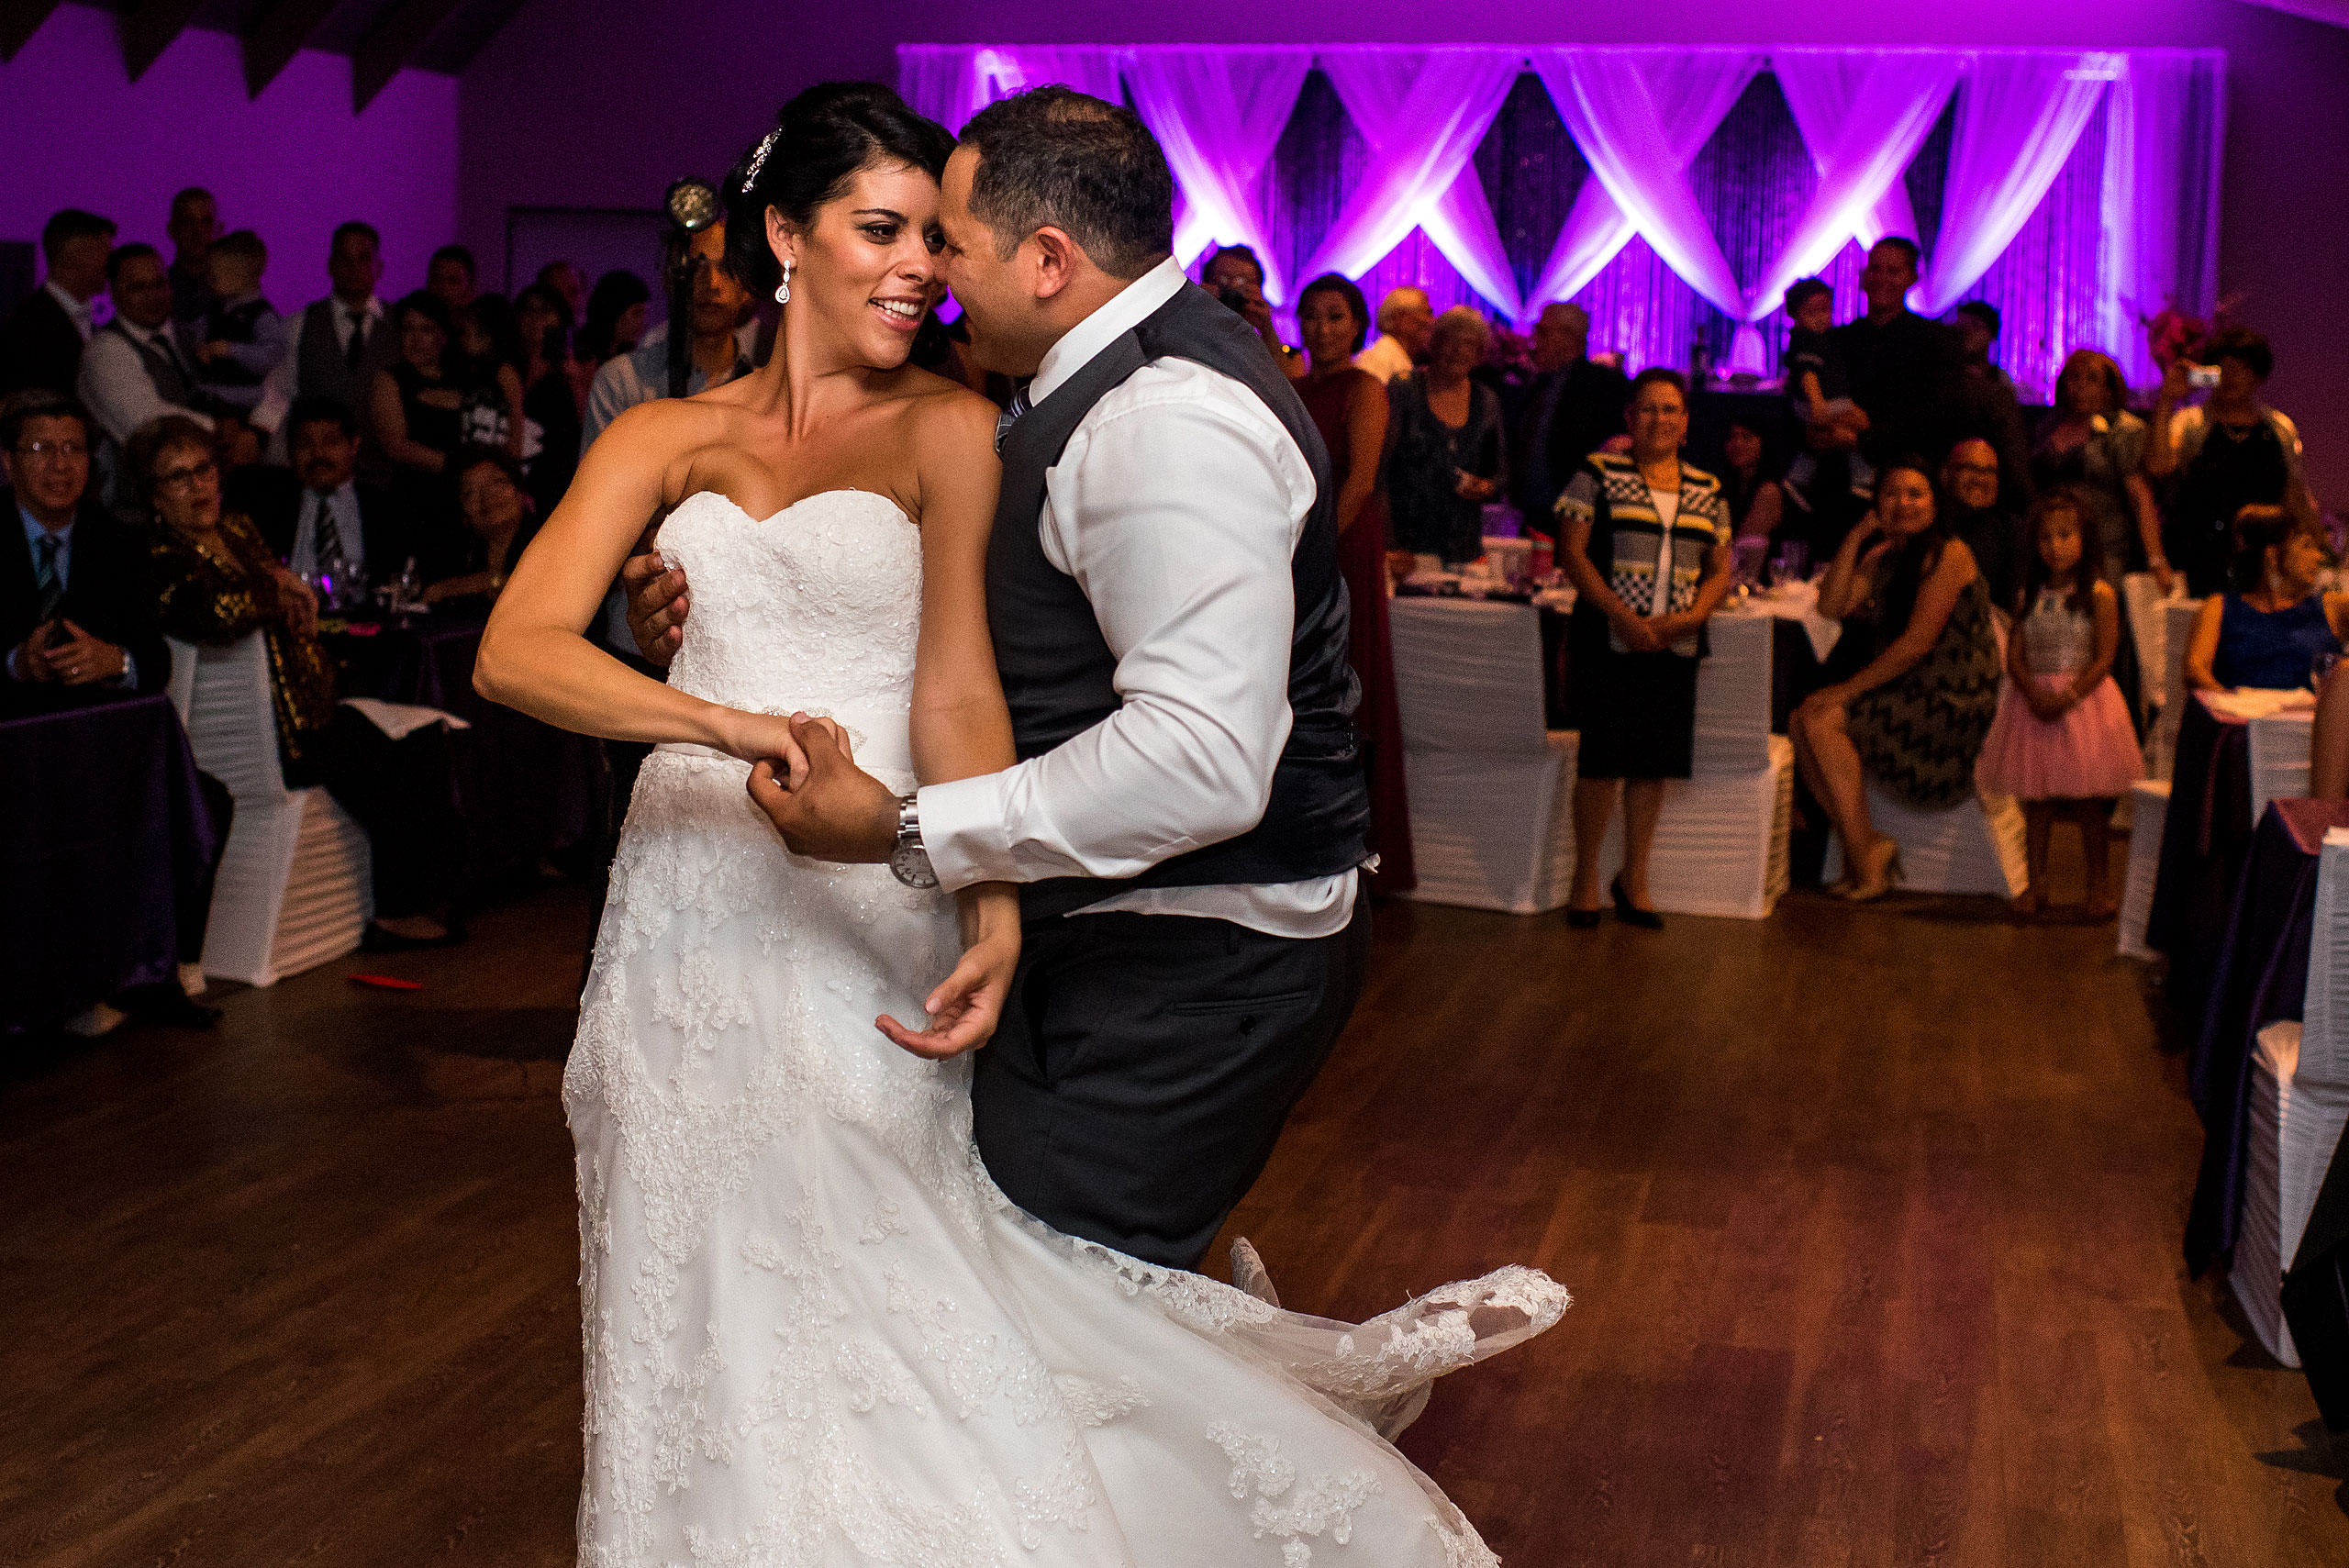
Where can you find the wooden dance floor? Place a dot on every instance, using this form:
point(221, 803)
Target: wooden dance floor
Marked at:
point(1872, 1219)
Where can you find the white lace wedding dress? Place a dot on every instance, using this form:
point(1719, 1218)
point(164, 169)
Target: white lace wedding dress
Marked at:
point(815, 1332)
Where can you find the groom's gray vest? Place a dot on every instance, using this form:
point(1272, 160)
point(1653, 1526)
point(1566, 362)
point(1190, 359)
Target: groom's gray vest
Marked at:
point(1057, 668)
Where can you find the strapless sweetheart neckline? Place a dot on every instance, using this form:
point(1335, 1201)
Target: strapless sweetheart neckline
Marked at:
point(728, 501)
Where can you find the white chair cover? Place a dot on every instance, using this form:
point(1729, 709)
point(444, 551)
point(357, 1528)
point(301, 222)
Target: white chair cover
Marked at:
point(2144, 611)
point(1733, 700)
point(1721, 844)
point(2279, 758)
point(2148, 809)
point(2177, 630)
point(293, 889)
point(2256, 1273)
point(1975, 846)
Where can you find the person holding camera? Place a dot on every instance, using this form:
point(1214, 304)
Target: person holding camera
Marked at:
point(2230, 453)
point(1235, 276)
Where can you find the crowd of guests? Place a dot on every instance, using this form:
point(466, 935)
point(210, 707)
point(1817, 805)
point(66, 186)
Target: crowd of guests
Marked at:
point(186, 459)
point(187, 462)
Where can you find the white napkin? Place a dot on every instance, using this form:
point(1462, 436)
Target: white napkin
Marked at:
point(398, 720)
point(2336, 838)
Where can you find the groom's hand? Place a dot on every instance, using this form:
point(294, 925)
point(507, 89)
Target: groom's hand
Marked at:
point(655, 593)
point(837, 812)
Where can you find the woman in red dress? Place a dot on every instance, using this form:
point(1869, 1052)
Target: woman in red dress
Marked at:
point(1350, 407)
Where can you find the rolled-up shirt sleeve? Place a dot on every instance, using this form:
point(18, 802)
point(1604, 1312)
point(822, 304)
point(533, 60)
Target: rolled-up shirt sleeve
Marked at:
point(1176, 508)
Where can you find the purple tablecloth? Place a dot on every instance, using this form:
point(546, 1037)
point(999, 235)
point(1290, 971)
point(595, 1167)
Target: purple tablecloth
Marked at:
point(525, 787)
point(2205, 835)
point(2261, 976)
point(104, 837)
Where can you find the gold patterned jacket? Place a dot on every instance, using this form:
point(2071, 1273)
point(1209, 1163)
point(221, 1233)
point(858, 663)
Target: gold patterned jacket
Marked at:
point(219, 591)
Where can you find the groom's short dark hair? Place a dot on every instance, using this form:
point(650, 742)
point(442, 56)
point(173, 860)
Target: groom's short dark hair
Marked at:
point(1054, 156)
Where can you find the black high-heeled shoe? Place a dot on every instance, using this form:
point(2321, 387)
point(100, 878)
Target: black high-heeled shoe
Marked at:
point(1630, 913)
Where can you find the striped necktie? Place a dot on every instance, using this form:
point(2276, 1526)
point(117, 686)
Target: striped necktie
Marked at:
point(326, 539)
point(48, 582)
point(1010, 415)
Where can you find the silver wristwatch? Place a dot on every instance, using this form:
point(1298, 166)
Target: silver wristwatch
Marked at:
point(909, 862)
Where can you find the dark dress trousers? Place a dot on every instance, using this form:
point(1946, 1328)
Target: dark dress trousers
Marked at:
point(109, 593)
point(1146, 1062)
point(40, 347)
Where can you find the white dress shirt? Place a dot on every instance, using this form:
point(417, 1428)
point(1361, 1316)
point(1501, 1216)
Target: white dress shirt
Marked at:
point(282, 387)
point(303, 558)
point(1176, 506)
point(83, 313)
point(117, 389)
point(1385, 358)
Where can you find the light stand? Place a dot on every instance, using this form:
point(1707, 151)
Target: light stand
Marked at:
point(693, 205)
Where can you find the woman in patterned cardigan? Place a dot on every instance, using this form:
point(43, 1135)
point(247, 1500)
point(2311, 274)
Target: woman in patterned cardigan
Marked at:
point(1646, 541)
point(1914, 717)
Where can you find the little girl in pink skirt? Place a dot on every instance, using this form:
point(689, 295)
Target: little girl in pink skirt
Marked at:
point(2062, 742)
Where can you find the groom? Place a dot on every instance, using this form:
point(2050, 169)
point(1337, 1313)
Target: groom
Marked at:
point(1188, 812)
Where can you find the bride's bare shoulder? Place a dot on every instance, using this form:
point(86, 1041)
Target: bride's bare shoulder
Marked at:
point(947, 416)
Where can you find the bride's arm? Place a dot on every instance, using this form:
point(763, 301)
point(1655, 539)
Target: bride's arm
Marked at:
point(960, 727)
point(535, 656)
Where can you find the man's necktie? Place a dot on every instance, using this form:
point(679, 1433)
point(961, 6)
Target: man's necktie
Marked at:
point(48, 583)
point(358, 345)
point(1010, 415)
point(326, 536)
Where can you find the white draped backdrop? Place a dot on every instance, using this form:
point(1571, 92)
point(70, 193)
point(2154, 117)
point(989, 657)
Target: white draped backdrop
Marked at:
point(1640, 117)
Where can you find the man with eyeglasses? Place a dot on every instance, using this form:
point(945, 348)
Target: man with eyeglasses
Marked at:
point(77, 604)
point(1991, 529)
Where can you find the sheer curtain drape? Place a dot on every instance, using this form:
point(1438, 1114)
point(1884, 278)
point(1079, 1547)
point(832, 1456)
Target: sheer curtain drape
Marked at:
point(950, 83)
point(1689, 92)
point(1422, 112)
point(1218, 113)
point(1616, 118)
point(2165, 135)
point(2017, 120)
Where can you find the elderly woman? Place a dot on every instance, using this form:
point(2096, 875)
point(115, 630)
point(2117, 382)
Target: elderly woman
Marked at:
point(1446, 457)
point(2273, 628)
point(497, 518)
point(1646, 542)
point(1349, 407)
point(2090, 443)
point(220, 582)
point(1915, 716)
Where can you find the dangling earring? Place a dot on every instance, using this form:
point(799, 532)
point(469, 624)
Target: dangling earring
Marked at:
point(782, 289)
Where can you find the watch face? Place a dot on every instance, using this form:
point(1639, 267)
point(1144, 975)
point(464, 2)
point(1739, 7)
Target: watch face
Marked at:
point(911, 866)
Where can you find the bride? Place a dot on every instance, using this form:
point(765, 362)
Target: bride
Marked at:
point(815, 1332)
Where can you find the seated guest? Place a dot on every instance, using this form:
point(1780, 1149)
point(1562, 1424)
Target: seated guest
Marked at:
point(1234, 275)
point(1349, 407)
point(1573, 406)
point(240, 444)
point(1915, 716)
point(1995, 535)
point(136, 371)
point(239, 339)
point(1447, 458)
point(551, 395)
point(498, 516)
point(489, 376)
point(317, 510)
point(1750, 495)
point(1406, 323)
point(2268, 630)
point(2231, 452)
point(220, 582)
point(1644, 538)
point(451, 275)
point(570, 285)
point(414, 408)
point(2092, 445)
point(41, 342)
point(77, 605)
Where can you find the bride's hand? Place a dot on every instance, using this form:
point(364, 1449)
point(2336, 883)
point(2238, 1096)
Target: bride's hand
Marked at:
point(763, 738)
point(967, 1009)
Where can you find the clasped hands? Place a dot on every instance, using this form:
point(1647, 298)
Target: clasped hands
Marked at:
point(804, 778)
point(60, 653)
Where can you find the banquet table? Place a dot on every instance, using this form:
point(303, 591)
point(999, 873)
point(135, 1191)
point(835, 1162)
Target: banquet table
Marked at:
point(2261, 976)
point(525, 787)
point(2206, 834)
point(104, 838)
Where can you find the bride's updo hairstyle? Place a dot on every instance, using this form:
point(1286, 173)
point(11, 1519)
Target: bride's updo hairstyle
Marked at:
point(819, 141)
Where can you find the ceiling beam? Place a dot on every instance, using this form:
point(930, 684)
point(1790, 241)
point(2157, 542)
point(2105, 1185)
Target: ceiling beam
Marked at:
point(393, 45)
point(149, 29)
point(19, 20)
point(279, 32)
